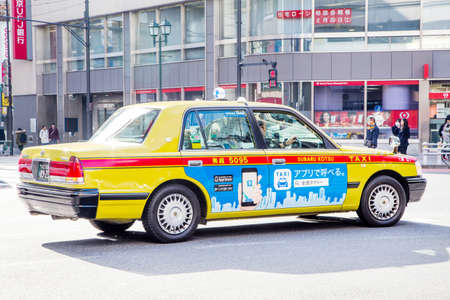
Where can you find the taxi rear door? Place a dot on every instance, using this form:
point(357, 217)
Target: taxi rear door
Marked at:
point(219, 150)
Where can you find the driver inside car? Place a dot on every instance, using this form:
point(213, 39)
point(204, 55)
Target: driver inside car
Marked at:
point(272, 138)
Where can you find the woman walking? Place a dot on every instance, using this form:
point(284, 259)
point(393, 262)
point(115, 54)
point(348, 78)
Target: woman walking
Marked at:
point(372, 133)
point(403, 135)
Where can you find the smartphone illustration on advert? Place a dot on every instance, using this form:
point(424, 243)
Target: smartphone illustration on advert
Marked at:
point(249, 184)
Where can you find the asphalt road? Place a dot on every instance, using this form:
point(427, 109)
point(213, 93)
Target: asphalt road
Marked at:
point(277, 258)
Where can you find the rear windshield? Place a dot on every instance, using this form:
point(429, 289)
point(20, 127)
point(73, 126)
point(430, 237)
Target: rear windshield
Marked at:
point(128, 124)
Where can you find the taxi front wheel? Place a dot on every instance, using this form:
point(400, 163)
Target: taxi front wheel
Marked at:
point(383, 202)
point(172, 215)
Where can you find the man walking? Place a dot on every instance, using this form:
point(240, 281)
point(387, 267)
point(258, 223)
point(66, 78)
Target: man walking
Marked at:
point(53, 134)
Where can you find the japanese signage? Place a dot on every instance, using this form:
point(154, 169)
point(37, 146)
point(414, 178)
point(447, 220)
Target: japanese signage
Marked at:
point(321, 16)
point(294, 14)
point(333, 16)
point(19, 31)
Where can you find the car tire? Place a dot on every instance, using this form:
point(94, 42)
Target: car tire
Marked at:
point(111, 228)
point(172, 215)
point(382, 203)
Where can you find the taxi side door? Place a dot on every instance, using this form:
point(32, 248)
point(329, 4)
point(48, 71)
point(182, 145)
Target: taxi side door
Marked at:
point(220, 151)
point(304, 167)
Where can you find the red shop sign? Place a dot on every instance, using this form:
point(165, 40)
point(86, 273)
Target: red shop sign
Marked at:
point(439, 96)
point(19, 29)
point(338, 83)
point(294, 14)
point(232, 86)
point(194, 89)
point(150, 91)
point(394, 82)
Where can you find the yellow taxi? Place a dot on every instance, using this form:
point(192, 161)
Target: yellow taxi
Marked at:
point(174, 165)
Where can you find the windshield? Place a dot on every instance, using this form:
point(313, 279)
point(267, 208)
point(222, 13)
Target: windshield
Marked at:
point(127, 125)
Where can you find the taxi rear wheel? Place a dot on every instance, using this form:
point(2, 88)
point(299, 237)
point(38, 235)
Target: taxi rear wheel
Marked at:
point(383, 202)
point(111, 228)
point(172, 215)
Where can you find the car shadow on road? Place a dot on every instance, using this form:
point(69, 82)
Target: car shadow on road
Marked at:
point(294, 247)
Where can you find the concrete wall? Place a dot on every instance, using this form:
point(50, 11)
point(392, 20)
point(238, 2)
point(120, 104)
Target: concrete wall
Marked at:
point(24, 110)
point(341, 66)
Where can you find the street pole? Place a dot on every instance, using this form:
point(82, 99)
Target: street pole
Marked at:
point(10, 98)
point(160, 68)
point(88, 71)
point(238, 47)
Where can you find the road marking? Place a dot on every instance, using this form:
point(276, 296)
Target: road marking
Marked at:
point(428, 252)
point(239, 244)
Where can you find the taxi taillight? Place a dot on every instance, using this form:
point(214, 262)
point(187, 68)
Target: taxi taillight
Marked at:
point(67, 171)
point(25, 165)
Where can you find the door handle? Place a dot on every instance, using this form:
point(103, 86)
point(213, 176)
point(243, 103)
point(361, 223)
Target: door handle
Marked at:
point(278, 161)
point(195, 163)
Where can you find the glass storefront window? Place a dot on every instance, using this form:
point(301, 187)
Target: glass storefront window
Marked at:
point(274, 46)
point(143, 38)
point(436, 42)
point(394, 43)
point(97, 36)
point(193, 95)
point(260, 92)
point(50, 44)
point(228, 19)
point(173, 15)
point(171, 95)
point(194, 53)
point(270, 17)
point(388, 15)
point(146, 59)
point(339, 110)
point(144, 98)
point(195, 22)
point(229, 50)
point(298, 96)
point(97, 63)
point(114, 62)
point(76, 65)
point(171, 56)
point(339, 15)
point(75, 50)
point(339, 44)
point(387, 103)
point(114, 40)
point(435, 14)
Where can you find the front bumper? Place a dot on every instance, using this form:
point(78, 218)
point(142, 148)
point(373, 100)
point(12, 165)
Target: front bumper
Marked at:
point(60, 202)
point(416, 187)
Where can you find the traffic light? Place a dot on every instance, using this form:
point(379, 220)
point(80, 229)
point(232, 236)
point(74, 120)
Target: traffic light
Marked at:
point(273, 78)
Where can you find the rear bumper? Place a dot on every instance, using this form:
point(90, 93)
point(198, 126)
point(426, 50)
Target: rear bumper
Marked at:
point(61, 202)
point(416, 188)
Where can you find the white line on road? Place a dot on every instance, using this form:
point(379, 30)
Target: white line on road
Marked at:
point(239, 244)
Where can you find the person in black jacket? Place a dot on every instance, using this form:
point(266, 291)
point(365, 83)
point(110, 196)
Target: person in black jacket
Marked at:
point(403, 136)
point(372, 133)
point(396, 127)
point(444, 131)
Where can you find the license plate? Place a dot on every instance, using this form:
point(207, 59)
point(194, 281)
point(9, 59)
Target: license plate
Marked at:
point(42, 171)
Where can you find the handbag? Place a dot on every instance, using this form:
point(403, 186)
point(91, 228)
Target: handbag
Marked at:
point(367, 143)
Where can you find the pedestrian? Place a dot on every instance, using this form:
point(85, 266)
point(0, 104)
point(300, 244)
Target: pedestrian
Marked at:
point(53, 134)
point(396, 128)
point(403, 136)
point(43, 135)
point(372, 133)
point(21, 138)
point(444, 131)
point(2, 140)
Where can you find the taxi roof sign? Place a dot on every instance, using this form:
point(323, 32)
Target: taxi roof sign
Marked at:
point(219, 93)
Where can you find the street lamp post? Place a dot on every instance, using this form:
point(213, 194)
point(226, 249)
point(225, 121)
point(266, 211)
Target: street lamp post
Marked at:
point(159, 33)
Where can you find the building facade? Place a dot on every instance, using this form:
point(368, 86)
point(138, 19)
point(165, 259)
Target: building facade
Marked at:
point(338, 61)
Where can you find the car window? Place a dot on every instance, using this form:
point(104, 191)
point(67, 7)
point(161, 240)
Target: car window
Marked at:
point(127, 125)
point(284, 130)
point(192, 133)
point(221, 129)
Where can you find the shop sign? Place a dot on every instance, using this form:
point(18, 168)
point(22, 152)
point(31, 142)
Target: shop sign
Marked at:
point(338, 83)
point(19, 30)
point(440, 111)
point(150, 91)
point(294, 14)
point(232, 86)
point(439, 96)
point(333, 16)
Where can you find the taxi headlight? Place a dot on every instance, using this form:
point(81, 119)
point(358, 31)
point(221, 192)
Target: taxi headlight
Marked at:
point(418, 168)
